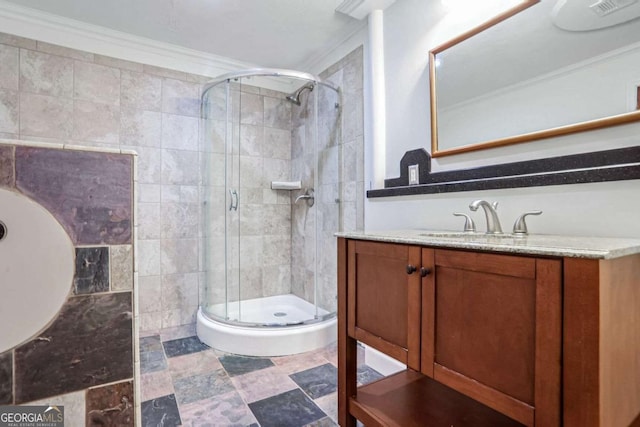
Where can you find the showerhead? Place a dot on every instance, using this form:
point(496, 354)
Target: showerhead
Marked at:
point(295, 96)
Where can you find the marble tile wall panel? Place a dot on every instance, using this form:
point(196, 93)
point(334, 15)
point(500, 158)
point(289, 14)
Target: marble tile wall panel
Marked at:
point(10, 39)
point(150, 294)
point(277, 113)
point(140, 128)
point(9, 111)
point(89, 343)
point(45, 116)
point(7, 164)
point(111, 405)
point(92, 270)
point(180, 97)
point(45, 74)
point(179, 256)
point(64, 51)
point(9, 69)
point(89, 193)
point(6, 378)
point(96, 122)
point(121, 262)
point(180, 132)
point(179, 290)
point(96, 83)
point(140, 91)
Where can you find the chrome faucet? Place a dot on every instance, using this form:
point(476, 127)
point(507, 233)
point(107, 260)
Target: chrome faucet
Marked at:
point(493, 222)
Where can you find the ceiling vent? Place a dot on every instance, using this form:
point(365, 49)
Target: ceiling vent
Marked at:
point(605, 7)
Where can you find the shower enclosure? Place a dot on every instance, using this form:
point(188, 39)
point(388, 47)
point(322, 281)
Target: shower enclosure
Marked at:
point(271, 203)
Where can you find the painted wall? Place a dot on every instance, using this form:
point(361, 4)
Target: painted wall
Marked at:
point(411, 29)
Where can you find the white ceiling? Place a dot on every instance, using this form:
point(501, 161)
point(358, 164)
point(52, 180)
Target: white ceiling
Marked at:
point(267, 33)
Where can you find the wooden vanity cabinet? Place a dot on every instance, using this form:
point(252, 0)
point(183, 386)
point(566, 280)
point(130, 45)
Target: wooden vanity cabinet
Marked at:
point(489, 339)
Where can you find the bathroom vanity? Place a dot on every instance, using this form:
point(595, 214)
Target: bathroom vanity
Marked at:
point(494, 330)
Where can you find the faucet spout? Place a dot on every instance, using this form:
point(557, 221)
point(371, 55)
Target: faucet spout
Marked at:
point(493, 222)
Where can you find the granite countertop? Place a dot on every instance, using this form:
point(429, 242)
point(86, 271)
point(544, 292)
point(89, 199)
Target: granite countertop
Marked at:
point(534, 244)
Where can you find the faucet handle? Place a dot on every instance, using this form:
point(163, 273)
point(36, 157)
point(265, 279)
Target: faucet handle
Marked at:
point(469, 225)
point(495, 206)
point(520, 226)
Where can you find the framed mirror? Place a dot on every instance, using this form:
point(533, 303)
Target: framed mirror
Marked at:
point(539, 70)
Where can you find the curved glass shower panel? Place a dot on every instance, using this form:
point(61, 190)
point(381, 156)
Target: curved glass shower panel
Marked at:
point(329, 153)
point(263, 128)
point(213, 115)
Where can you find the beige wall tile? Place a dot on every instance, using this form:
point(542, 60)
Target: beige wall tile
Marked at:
point(179, 220)
point(149, 227)
point(150, 294)
point(96, 83)
point(64, 51)
point(16, 41)
point(179, 256)
point(149, 164)
point(121, 265)
point(277, 113)
point(46, 116)
point(179, 291)
point(149, 257)
point(180, 132)
point(180, 97)
point(117, 63)
point(9, 59)
point(179, 167)
point(46, 74)
point(97, 122)
point(251, 109)
point(9, 111)
point(140, 128)
point(141, 91)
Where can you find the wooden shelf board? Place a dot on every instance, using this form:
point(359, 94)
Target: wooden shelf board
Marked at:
point(409, 399)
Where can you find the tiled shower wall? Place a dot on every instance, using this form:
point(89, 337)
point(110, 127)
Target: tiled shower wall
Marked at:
point(84, 359)
point(53, 94)
point(260, 230)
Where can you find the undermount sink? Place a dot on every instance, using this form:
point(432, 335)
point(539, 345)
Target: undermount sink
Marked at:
point(467, 235)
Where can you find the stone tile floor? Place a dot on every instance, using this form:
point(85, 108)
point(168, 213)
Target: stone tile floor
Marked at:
point(184, 382)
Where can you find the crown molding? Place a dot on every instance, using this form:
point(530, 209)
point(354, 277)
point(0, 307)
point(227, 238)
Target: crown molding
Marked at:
point(37, 25)
point(359, 9)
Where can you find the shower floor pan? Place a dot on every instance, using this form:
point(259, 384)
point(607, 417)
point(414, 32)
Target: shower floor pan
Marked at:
point(283, 333)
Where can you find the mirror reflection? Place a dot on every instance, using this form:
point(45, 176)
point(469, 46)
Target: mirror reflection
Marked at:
point(550, 69)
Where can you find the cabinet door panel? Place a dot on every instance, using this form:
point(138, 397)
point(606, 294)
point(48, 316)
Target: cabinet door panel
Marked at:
point(491, 329)
point(384, 301)
point(485, 329)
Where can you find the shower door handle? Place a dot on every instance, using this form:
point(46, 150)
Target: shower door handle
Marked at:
point(233, 194)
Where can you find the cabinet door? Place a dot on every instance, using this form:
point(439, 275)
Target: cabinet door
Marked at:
point(492, 330)
point(384, 298)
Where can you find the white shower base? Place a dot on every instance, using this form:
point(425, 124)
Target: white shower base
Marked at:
point(268, 340)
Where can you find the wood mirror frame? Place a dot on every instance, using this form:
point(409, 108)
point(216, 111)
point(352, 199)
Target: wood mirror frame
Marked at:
point(614, 120)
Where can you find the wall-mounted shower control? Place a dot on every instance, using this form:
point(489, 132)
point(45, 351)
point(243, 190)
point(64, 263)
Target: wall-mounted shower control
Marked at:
point(3, 230)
